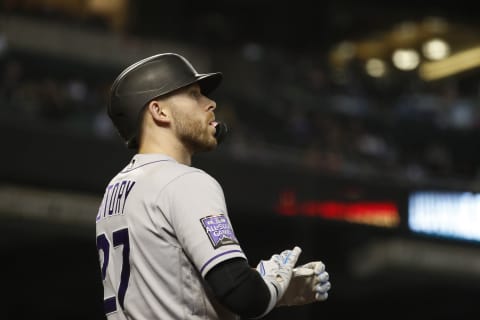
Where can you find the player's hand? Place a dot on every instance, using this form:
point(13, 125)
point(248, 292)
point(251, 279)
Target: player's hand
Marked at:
point(277, 273)
point(309, 283)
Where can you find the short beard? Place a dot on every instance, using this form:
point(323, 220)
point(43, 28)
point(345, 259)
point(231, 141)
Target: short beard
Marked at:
point(193, 134)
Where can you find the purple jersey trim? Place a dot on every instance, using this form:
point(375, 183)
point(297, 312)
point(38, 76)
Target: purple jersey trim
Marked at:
point(125, 171)
point(217, 256)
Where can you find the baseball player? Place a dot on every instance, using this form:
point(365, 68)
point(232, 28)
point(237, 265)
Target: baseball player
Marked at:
point(166, 245)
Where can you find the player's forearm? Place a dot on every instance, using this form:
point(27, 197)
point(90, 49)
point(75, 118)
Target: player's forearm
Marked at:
point(239, 287)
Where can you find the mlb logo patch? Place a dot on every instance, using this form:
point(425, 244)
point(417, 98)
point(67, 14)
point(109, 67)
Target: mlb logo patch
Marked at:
point(219, 230)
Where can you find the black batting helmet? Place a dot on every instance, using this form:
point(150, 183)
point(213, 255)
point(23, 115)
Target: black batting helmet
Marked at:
point(146, 80)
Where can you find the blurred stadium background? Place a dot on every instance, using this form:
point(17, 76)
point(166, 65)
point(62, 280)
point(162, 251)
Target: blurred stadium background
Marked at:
point(355, 132)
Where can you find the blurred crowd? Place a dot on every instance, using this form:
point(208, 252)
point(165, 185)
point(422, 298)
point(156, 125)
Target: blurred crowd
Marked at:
point(284, 107)
point(47, 93)
point(407, 129)
point(284, 116)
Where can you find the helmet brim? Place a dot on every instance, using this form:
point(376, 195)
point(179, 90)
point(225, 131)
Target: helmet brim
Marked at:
point(209, 81)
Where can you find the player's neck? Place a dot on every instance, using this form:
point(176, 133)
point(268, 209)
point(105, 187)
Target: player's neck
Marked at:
point(177, 152)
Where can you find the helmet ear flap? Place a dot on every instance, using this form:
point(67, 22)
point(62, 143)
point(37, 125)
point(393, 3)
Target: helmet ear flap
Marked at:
point(134, 141)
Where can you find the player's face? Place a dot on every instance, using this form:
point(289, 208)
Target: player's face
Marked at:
point(193, 117)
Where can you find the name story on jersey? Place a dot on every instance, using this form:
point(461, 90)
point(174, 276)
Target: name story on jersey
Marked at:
point(114, 200)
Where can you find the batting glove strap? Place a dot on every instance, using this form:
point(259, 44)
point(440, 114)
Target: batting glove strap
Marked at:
point(277, 273)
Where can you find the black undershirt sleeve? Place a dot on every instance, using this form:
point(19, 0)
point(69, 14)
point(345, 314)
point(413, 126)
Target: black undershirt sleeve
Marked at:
point(239, 287)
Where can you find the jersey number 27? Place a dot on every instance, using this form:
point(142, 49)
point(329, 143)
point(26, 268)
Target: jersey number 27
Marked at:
point(120, 238)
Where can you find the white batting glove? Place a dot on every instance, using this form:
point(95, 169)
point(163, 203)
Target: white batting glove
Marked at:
point(309, 283)
point(277, 273)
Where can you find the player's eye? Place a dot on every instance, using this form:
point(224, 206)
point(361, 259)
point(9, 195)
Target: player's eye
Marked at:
point(195, 94)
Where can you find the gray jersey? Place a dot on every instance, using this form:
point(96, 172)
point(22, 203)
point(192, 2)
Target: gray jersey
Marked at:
point(160, 228)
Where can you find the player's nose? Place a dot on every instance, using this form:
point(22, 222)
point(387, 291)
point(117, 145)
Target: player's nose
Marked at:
point(211, 105)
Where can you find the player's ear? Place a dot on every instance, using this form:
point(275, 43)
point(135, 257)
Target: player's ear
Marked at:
point(158, 111)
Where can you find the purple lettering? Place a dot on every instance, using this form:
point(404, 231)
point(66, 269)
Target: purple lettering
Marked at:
point(127, 192)
point(119, 197)
point(105, 200)
point(112, 199)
